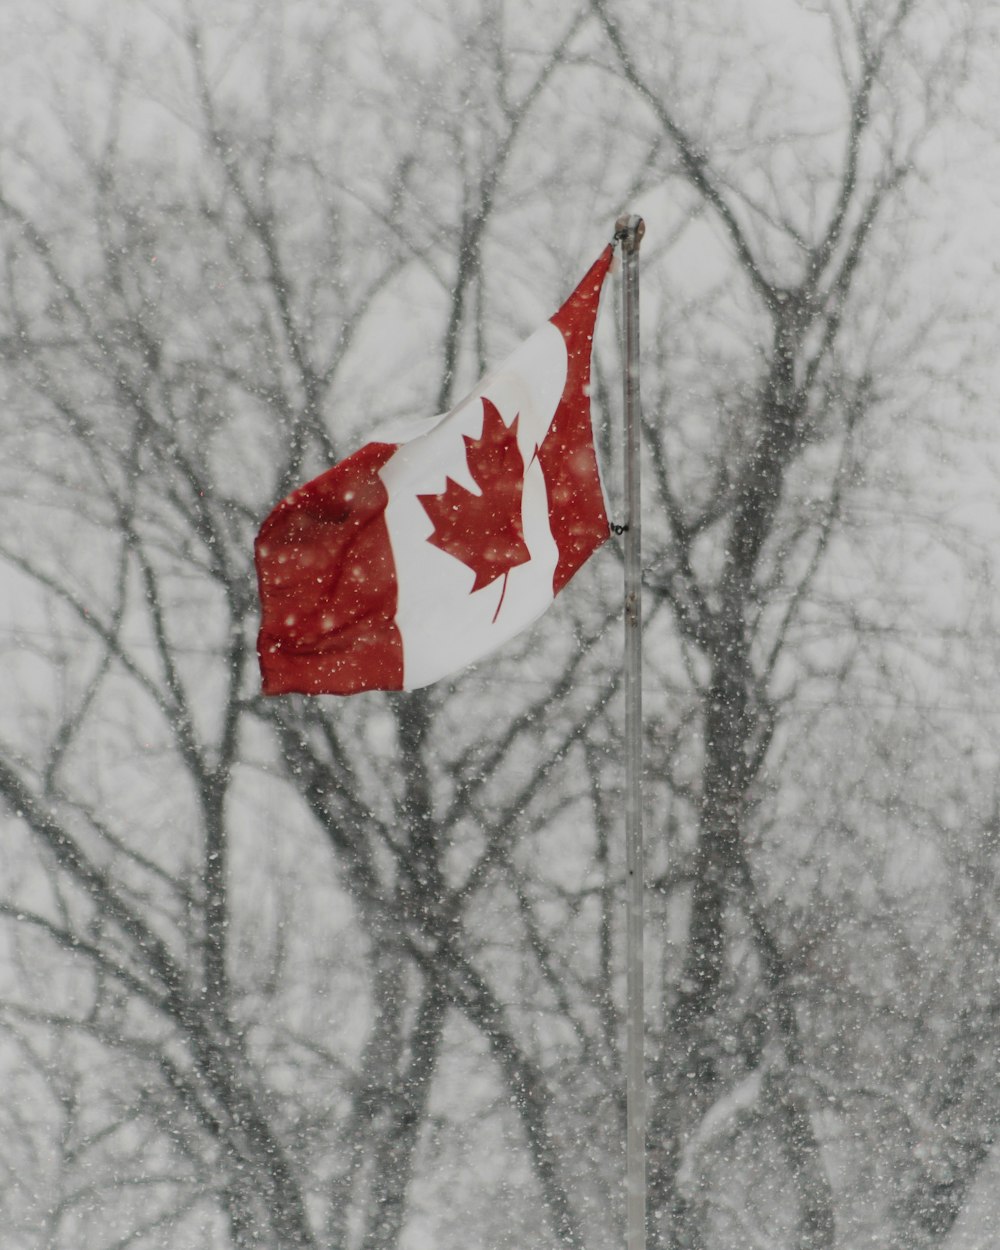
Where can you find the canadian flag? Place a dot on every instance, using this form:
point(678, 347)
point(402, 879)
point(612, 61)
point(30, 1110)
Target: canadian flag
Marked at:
point(419, 555)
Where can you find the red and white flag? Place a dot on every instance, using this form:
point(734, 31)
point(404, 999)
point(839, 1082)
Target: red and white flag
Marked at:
point(419, 555)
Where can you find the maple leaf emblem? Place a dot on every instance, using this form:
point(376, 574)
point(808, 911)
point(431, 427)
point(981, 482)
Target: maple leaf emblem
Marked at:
point(484, 531)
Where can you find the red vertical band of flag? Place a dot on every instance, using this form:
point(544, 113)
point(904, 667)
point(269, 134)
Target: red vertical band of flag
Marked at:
point(328, 584)
point(576, 501)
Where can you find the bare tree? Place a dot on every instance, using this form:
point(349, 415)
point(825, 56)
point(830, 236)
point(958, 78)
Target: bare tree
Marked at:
point(751, 517)
point(300, 973)
point(189, 343)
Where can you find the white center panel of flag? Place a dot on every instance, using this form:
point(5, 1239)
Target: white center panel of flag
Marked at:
point(444, 625)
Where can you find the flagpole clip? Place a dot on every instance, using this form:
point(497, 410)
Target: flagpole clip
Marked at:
point(618, 529)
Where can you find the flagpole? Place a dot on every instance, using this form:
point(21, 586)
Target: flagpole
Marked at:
point(629, 229)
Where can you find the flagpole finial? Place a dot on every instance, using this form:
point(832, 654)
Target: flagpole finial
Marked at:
point(629, 230)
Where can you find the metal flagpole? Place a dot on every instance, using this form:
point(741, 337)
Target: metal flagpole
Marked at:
point(629, 230)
